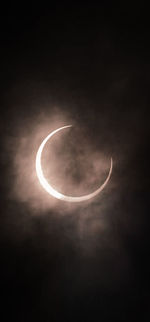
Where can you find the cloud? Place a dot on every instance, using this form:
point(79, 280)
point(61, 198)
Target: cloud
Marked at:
point(70, 162)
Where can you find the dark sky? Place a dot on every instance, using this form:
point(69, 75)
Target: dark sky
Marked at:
point(88, 64)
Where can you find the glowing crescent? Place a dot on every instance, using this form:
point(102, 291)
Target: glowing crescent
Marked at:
point(50, 189)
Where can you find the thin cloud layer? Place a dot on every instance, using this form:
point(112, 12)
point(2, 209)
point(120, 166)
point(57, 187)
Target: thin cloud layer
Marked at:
point(70, 163)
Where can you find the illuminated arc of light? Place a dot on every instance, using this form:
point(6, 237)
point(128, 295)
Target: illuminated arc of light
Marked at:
point(50, 189)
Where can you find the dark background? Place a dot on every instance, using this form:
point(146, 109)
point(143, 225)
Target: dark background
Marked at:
point(93, 62)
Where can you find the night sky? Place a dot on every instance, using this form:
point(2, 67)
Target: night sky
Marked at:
point(86, 65)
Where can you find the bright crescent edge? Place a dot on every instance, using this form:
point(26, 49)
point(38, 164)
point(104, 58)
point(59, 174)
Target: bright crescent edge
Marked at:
point(50, 189)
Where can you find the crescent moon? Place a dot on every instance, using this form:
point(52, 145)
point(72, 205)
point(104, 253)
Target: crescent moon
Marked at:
point(50, 189)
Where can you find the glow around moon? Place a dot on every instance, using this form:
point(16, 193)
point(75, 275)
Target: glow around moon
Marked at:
point(50, 189)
